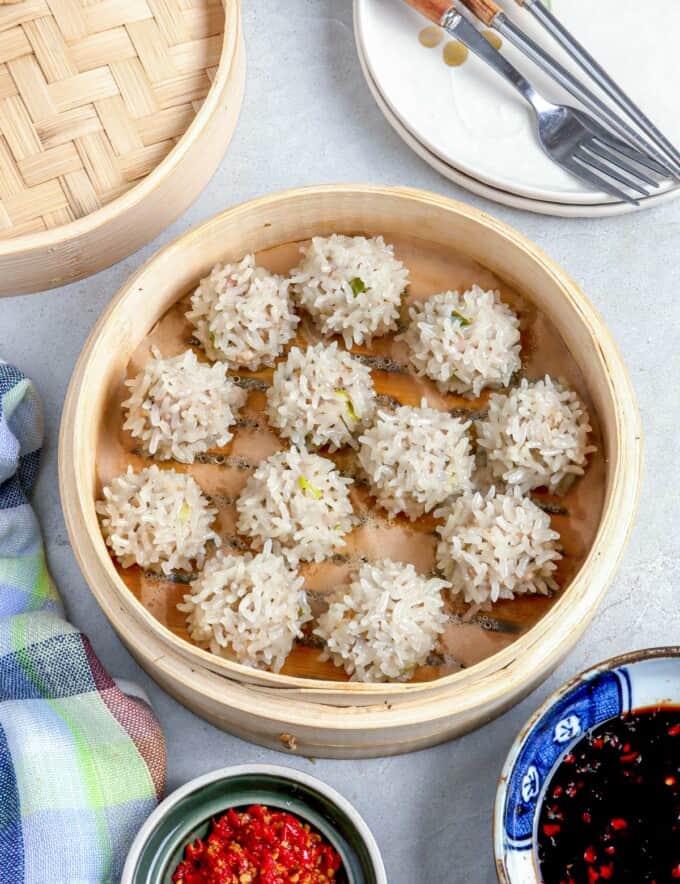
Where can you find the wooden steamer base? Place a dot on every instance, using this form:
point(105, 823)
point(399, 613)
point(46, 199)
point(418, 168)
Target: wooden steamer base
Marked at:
point(320, 716)
point(307, 724)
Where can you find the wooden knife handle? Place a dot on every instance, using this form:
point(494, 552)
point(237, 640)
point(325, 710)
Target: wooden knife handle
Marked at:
point(485, 10)
point(432, 9)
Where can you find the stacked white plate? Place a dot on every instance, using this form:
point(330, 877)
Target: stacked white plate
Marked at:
point(476, 130)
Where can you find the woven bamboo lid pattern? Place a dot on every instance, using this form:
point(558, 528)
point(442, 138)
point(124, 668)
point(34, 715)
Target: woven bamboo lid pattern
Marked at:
point(93, 95)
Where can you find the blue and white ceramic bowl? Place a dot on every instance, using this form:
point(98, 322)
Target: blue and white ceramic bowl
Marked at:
point(623, 684)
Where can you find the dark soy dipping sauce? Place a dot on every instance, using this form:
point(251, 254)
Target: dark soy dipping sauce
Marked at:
point(611, 811)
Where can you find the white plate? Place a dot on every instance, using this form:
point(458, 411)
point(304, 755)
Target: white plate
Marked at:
point(473, 121)
point(541, 207)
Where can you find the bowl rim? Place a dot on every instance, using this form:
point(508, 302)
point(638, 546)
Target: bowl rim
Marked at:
point(63, 233)
point(620, 506)
point(287, 773)
point(626, 659)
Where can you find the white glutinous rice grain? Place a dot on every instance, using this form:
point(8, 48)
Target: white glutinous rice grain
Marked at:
point(464, 342)
point(242, 314)
point(179, 407)
point(416, 458)
point(351, 286)
point(157, 519)
point(536, 435)
point(496, 546)
point(300, 502)
point(247, 608)
point(321, 396)
point(385, 623)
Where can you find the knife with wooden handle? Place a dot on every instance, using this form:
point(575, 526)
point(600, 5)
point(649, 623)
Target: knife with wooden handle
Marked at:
point(435, 10)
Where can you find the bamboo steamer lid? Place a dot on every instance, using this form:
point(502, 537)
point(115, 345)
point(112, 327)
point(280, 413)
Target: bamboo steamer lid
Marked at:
point(113, 116)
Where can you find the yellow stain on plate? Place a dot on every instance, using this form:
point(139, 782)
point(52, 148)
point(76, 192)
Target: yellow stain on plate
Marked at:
point(493, 38)
point(455, 53)
point(431, 36)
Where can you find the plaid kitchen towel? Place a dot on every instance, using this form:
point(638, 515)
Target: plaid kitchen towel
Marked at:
point(81, 763)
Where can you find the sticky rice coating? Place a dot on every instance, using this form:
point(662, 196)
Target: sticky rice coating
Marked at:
point(157, 519)
point(385, 623)
point(242, 314)
point(464, 342)
point(416, 458)
point(496, 546)
point(321, 396)
point(536, 435)
point(351, 286)
point(300, 502)
point(247, 608)
point(180, 407)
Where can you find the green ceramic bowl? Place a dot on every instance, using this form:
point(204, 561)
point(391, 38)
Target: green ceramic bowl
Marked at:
point(186, 815)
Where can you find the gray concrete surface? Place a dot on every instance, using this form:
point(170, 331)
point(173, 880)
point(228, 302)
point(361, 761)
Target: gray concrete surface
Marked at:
point(308, 118)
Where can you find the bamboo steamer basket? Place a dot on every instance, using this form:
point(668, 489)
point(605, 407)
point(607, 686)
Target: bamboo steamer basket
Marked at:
point(321, 717)
point(113, 117)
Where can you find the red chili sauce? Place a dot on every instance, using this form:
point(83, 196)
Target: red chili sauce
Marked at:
point(611, 811)
point(258, 846)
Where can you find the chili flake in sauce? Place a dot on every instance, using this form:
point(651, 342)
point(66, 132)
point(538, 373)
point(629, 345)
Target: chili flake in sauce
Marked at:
point(611, 811)
point(258, 846)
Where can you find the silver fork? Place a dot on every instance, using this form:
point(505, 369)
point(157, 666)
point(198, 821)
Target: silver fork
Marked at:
point(587, 63)
point(570, 137)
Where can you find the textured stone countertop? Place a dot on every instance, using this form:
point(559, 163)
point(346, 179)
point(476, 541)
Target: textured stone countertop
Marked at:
point(308, 118)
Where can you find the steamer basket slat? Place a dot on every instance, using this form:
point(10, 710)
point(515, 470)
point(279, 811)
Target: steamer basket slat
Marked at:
point(113, 116)
point(327, 717)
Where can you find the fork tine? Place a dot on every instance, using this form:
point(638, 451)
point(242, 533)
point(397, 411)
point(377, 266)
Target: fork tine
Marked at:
point(618, 166)
point(586, 174)
point(639, 158)
point(610, 140)
point(582, 156)
point(619, 161)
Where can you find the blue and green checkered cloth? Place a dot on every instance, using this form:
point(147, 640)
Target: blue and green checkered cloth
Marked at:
point(81, 763)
